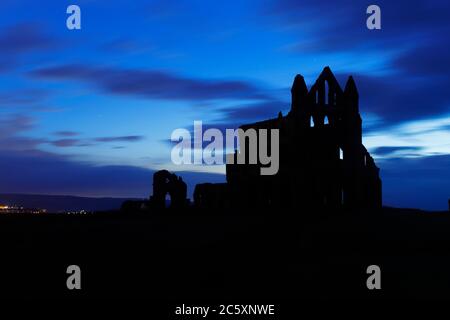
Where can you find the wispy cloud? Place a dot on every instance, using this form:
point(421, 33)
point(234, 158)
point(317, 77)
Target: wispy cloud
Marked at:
point(413, 41)
point(120, 139)
point(421, 182)
point(12, 129)
point(398, 99)
point(426, 137)
point(386, 151)
point(78, 142)
point(253, 111)
point(24, 38)
point(151, 83)
point(49, 173)
point(65, 142)
point(23, 97)
point(66, 133)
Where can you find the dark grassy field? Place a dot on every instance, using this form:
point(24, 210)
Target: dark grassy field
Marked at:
point(201, 256)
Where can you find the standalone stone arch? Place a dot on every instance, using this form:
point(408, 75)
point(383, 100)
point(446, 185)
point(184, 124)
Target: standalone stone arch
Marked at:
point(166, 183)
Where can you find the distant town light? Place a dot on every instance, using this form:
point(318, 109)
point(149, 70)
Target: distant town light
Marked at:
point(14, 209)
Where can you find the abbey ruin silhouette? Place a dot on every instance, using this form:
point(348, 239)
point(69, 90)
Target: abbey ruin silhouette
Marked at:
point(323, 163)
point(166, 183)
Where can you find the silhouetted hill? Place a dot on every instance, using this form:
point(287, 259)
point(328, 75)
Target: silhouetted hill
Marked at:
point(55, 203)
point(177, 255)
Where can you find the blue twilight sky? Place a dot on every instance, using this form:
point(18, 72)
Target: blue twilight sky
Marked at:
point(90, 112)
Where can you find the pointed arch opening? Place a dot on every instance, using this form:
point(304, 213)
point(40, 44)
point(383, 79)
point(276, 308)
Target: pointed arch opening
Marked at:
point(167, 200)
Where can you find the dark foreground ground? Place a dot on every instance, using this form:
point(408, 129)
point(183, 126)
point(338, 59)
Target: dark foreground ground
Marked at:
point(199, 256)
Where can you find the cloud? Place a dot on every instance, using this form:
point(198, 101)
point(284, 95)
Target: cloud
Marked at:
point(17, 41)
point(412, 182)
point(151, 83)
point(125, 46)
point(22, 97)
point(341, 25)
point(120, 139)
point(67, 133)
point(11, 129)
point(24, 38)
point(17, 143)
point(254, 112)
point(430, 58)
point(416, 182)
point(72, 142)
point(66, 143)
point(234, 116)
point(12, 136)
point(47, 173)
point(398, 99)
point(29, 170)
point(412, 46)
point(386, 151)
point(15, 124)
